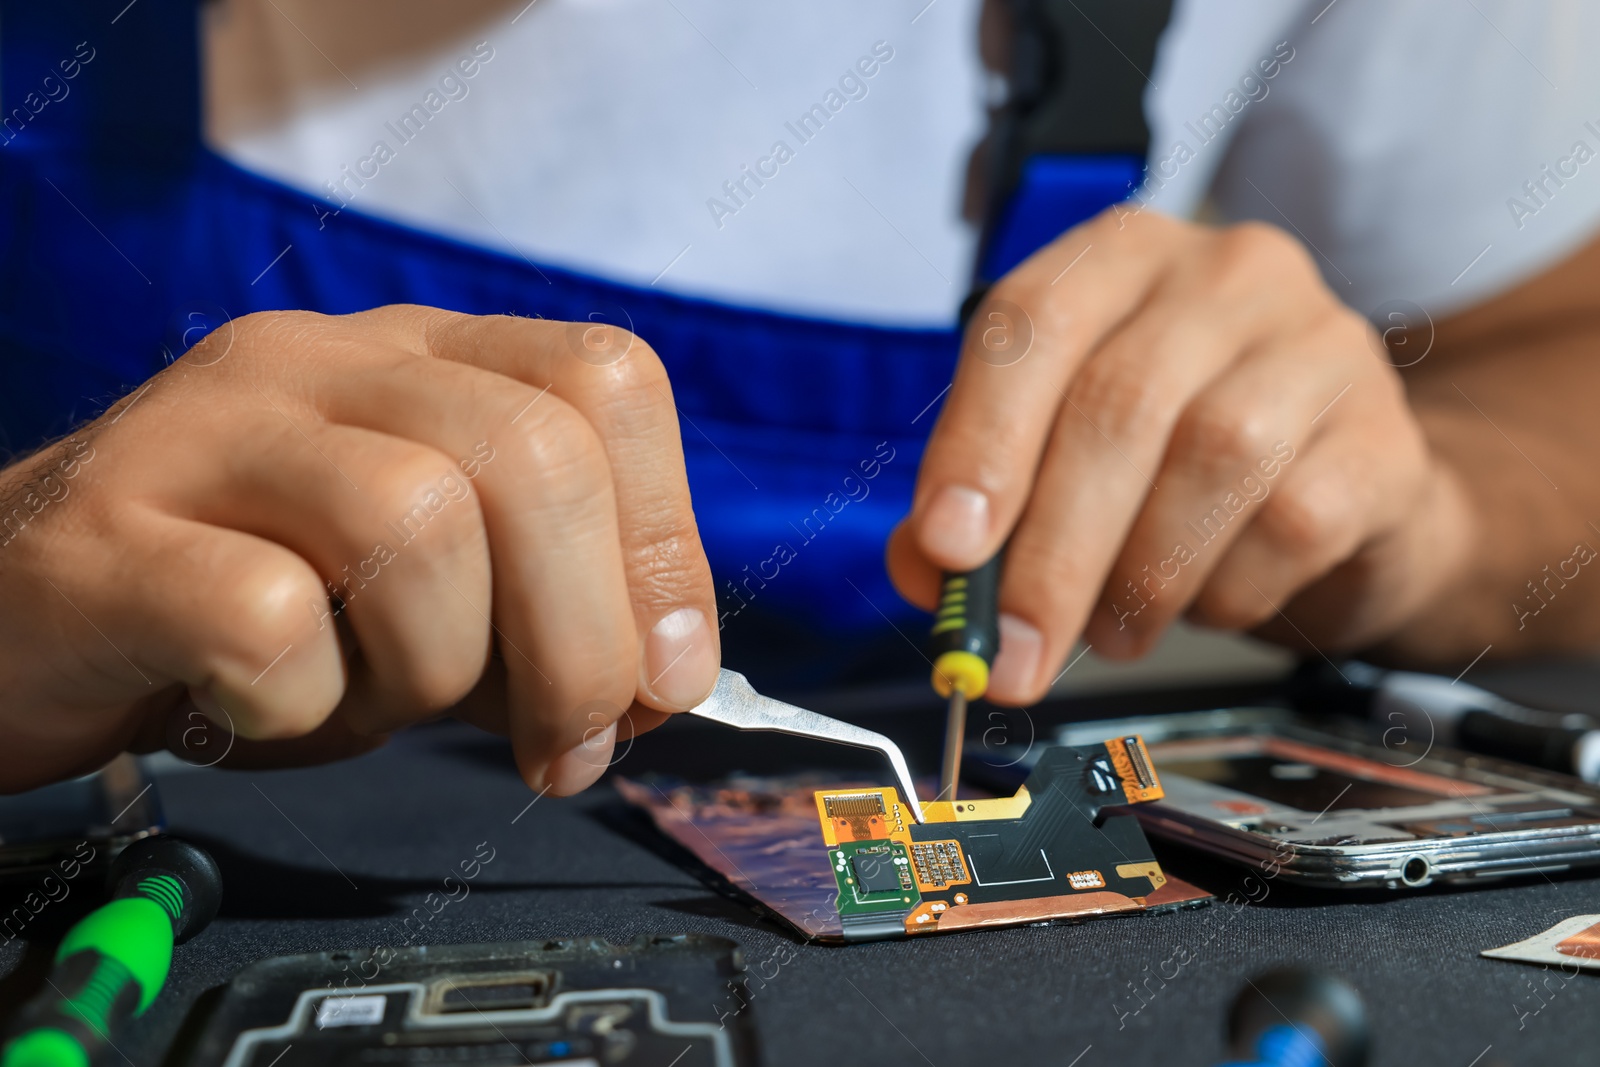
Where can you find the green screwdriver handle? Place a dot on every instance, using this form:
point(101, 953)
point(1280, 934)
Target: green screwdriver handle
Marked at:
point(113, 962)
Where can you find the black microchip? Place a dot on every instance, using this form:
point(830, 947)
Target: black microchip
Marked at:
point(876, 872)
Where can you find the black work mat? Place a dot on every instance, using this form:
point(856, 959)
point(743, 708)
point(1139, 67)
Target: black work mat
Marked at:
point(343, 855)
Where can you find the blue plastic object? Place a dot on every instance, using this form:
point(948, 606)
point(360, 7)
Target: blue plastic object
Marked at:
point(1285, 1046)
point(1055, 193)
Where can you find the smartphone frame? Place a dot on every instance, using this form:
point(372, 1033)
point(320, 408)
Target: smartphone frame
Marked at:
point(1348, 848)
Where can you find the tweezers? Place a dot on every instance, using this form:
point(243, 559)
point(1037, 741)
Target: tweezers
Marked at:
point(734, 702)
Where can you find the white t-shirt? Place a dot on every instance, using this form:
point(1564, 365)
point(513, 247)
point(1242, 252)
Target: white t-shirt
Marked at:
point(601, 134)
point(1433, 151)
point(1400, 140)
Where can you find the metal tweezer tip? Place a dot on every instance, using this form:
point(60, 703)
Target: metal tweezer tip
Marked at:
point(734, 702)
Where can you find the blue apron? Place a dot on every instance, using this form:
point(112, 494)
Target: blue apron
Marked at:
point(124, 237)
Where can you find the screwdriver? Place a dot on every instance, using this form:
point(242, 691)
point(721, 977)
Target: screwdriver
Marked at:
point(966, 631)
point(962, 645)
point(111, 965)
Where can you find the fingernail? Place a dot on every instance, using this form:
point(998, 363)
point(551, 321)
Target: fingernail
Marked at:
point(956, 525)
point(574, 771)
point(680, 658)
point(1021, 645)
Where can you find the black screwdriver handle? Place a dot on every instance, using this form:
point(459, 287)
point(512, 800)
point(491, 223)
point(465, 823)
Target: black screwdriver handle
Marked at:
point(966, 630)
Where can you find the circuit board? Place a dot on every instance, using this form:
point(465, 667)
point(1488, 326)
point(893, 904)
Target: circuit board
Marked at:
point(842, 861)
point(1052, 851)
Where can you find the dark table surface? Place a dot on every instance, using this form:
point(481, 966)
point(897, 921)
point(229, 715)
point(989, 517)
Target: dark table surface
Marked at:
point(331, 857)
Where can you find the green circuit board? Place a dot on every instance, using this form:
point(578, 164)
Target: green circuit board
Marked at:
point(874, 877)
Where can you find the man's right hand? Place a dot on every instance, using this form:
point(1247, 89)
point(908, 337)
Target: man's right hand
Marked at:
point(499, 504)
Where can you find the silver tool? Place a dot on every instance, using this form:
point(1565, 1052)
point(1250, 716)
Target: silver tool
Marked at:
point(955, 735)
point(734, 702)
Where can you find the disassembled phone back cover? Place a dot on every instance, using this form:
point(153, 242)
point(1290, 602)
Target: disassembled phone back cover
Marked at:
point(843, 863)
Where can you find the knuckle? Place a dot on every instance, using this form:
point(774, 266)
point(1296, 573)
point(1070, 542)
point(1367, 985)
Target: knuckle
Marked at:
point(1258, 246)
point(277, 328)
point(268, 605)
point(1218, 440)
point(639, 369)
point(635, 383)
point(560, 453)
point(1300, 524)
point(665, 557)
point(258, 344)
point(269, 608)
point(414, 478)
point(1119, 396)
point(405, 316)
point(599, 343)
point(268, 322)
point(1250, 253)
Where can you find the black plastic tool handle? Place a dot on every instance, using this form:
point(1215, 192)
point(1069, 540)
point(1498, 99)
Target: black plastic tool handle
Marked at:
point(966, 630)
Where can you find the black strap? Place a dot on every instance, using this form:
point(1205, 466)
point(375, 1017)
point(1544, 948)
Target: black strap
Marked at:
point(1079, 71)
